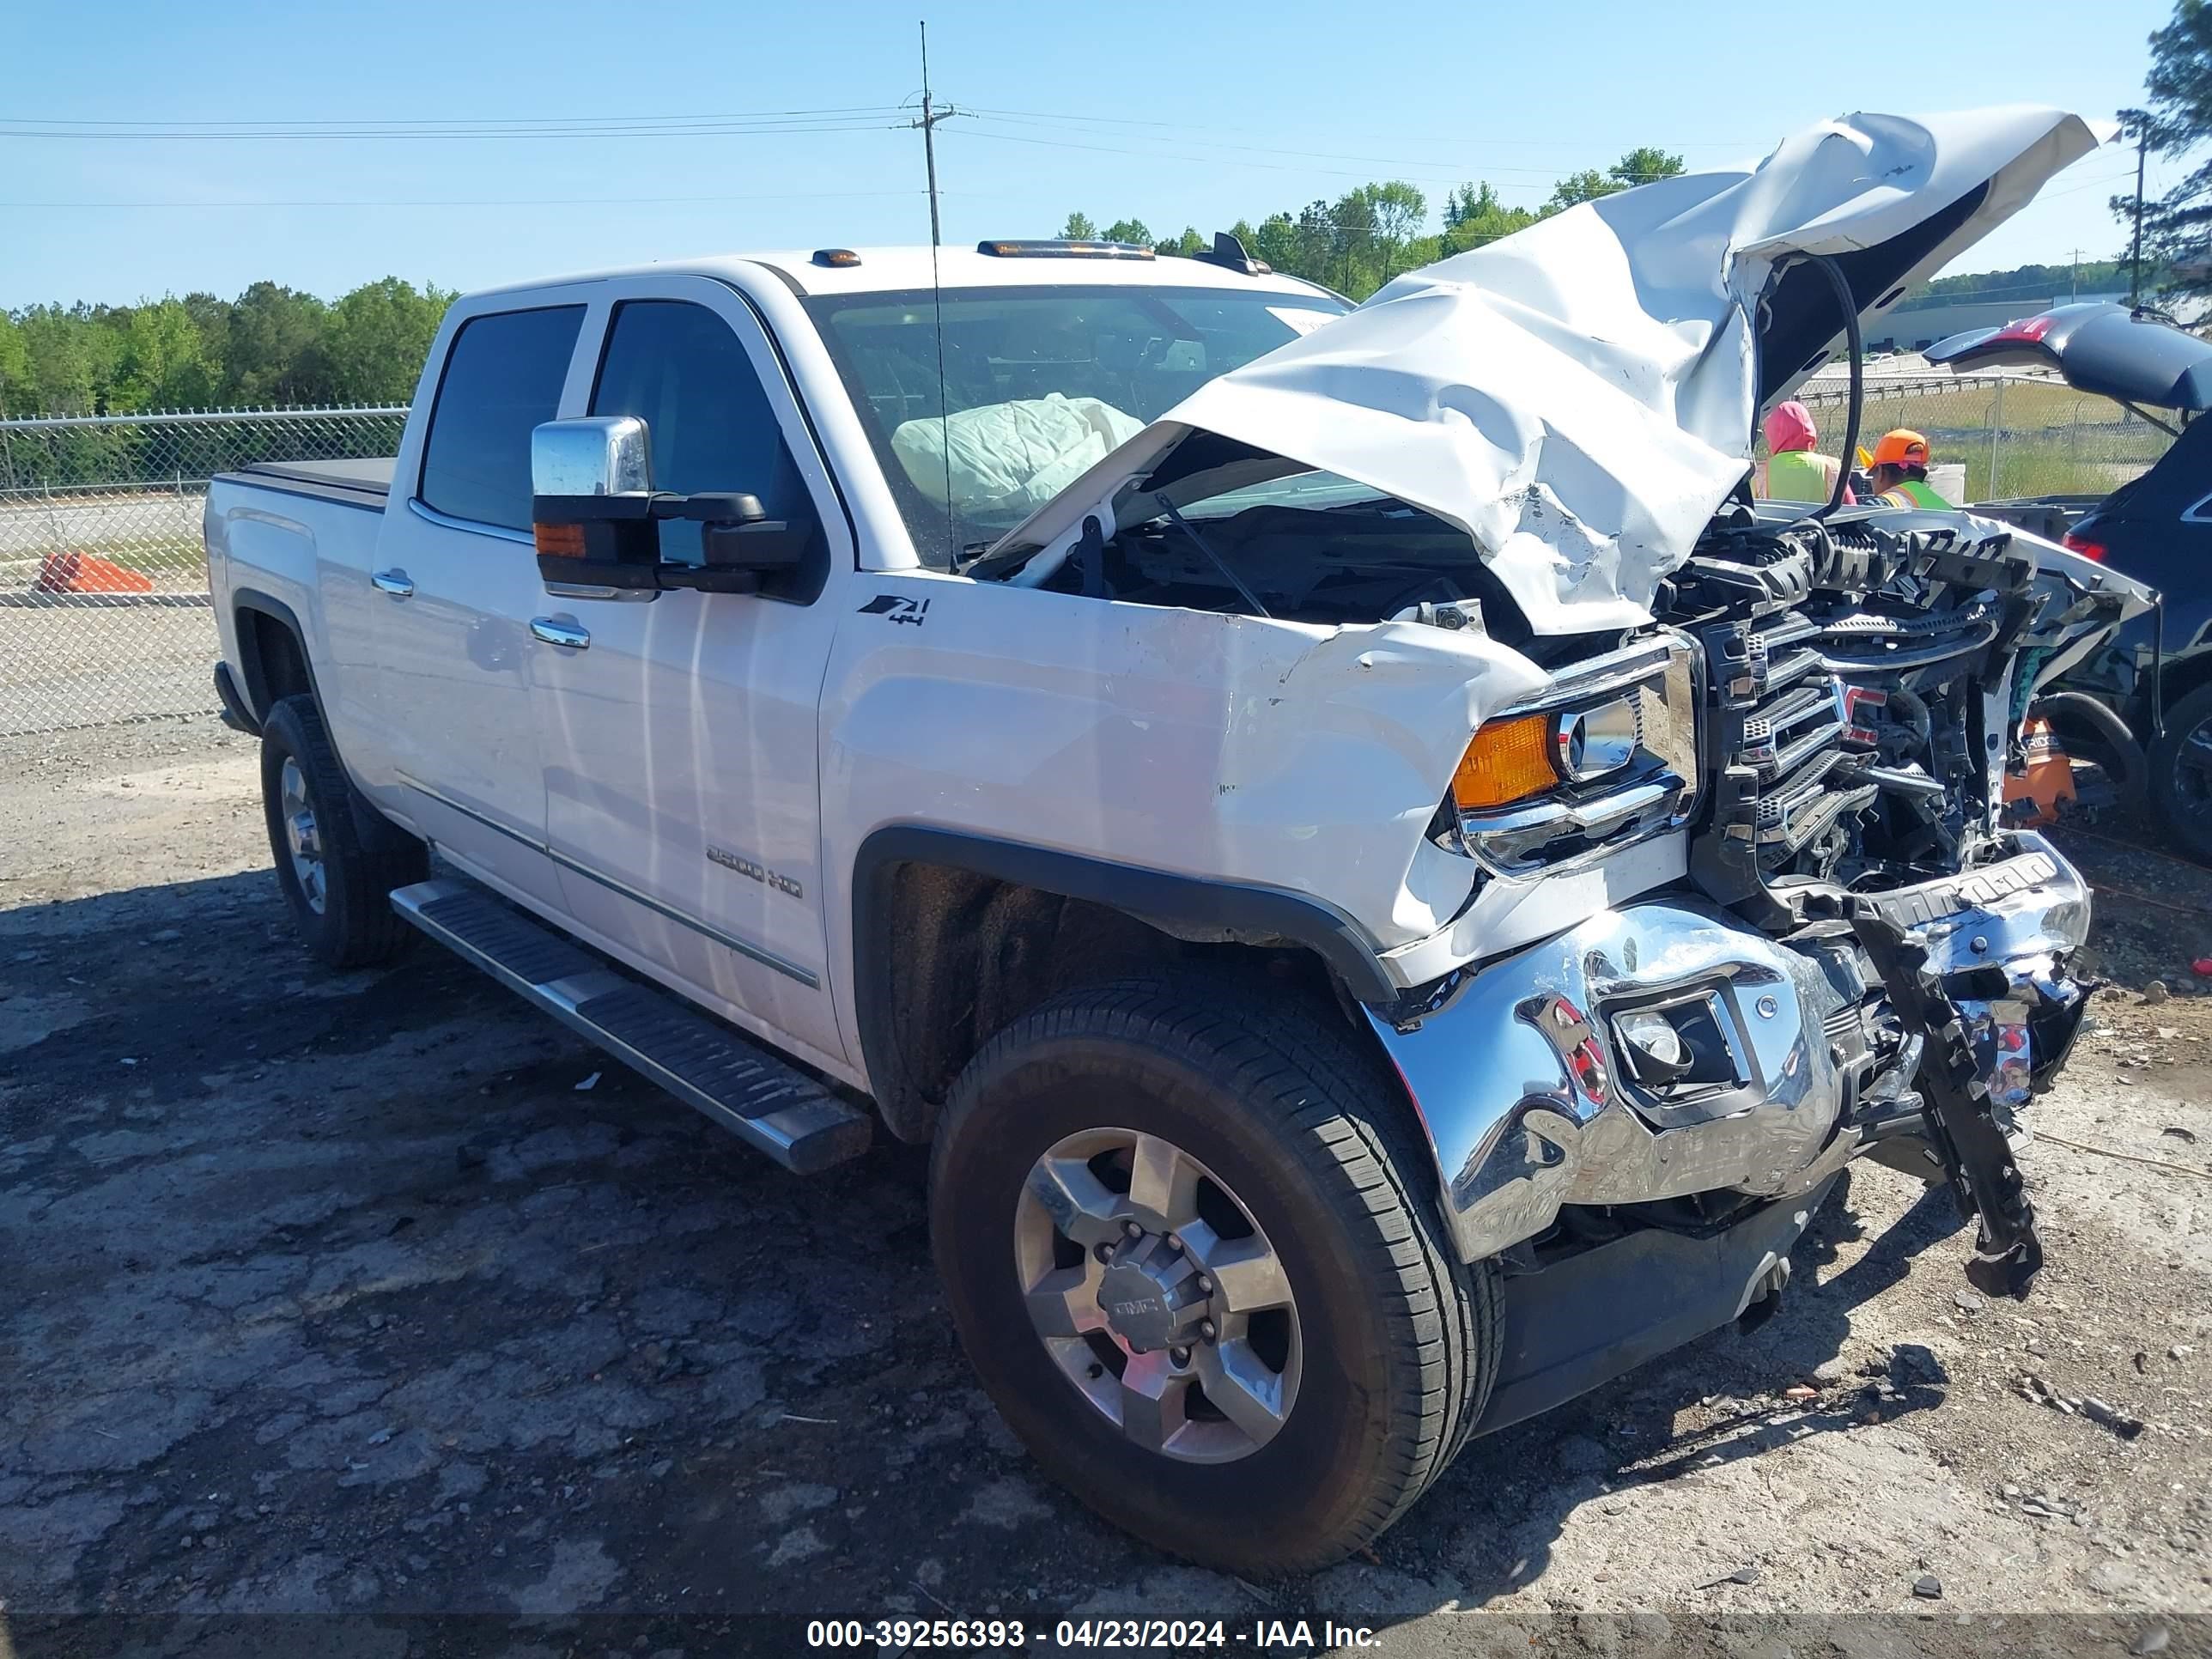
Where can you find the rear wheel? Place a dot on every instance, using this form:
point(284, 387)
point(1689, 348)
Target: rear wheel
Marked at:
point(1192, 1254)
point(2181, 774)
point(338, 859)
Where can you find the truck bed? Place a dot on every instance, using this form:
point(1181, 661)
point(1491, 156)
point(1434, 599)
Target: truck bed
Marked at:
point(364, 484)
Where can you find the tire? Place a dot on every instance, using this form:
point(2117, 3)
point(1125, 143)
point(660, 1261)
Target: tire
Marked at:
point(359, 856)
point(1399, 1340)
point(2181, 774)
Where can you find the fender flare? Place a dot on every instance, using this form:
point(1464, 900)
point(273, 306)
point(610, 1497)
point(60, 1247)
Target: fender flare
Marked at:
point(1155, 897)
point(258, 697)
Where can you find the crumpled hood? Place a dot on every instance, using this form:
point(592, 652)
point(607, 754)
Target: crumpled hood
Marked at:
point(1580, 396)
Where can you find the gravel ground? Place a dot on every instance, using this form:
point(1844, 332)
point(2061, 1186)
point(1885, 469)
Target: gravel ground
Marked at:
point(355, 1293)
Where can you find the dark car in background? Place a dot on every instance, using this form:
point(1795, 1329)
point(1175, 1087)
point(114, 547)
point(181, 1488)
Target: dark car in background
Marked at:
point(2156, 674)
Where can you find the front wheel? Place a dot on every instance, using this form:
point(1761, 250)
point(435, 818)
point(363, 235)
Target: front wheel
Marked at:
point(1192, 1254)
point(2181, 774)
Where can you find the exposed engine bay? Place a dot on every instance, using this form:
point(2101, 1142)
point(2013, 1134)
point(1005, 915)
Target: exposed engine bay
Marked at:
point(1861, 681)
point(1361, 560)
point(1865, 681)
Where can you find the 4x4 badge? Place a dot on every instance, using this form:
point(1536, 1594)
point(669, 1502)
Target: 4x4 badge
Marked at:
point(897, 609)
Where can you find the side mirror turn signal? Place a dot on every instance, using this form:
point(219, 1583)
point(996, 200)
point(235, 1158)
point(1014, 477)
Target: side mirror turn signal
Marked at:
point(596, 517)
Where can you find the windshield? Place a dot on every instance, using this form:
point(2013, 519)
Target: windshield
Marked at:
point(1038, 384)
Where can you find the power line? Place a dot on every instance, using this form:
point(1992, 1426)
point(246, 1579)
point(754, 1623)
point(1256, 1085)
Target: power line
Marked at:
point(492, 201)
point(1460, 174)
point(2085, 183)
point(1129, 121)
point(489, 122)
point(1207, 160)
point(1329, 155)
point(664, 130)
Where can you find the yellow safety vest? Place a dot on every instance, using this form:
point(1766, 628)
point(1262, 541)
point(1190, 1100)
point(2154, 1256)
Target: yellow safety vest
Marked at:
point(1801, 475)
point(1913, 492)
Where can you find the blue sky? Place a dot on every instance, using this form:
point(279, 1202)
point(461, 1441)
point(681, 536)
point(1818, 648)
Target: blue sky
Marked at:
point(1176, 113)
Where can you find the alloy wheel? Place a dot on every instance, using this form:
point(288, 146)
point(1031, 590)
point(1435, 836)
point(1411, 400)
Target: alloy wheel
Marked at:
point(301, 837)
point(1158, 1295)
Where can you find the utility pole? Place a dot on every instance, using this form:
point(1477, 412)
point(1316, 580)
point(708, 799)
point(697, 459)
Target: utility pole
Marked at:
point(2135, 260)
point(2073, 282)
point(930, 118)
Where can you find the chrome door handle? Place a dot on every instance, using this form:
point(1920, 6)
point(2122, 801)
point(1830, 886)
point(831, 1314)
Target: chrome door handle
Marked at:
point(555, 632)
point(393, 582)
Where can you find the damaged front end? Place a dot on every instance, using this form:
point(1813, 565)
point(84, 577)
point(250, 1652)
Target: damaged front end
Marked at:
point(1864, 966)
point(1739, 906)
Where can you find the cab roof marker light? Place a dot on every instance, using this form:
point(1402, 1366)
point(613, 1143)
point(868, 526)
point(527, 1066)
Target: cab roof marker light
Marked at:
point(837, 258)
point(1228, 252)
point(1055, 248)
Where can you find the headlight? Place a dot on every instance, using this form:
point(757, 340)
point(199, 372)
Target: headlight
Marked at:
point(1518, 755)
point(1606, 754)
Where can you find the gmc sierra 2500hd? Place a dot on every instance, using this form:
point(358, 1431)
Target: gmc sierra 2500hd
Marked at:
point(1393, 887)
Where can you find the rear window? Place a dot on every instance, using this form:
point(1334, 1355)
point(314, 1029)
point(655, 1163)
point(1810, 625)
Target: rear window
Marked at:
point(502, 378)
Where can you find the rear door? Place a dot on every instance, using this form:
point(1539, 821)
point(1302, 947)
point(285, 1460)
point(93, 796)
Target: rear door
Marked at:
point(682, 801)
point(456, 590)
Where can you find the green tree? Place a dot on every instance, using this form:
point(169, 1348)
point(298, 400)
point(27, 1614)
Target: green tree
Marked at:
point(376, 338)
point(1396, 212)
point(1643, 164)
point(14, 368)
point(1579, 187)
point(72, 353)
point(2176, 118)
point(276, 354)
point(1315, 240)
point(163, 361)
point(1474, 217)
point(1128, 230)
point(1079, 229)
point(1275, 240)
point(211, 316)
point(1189, 243)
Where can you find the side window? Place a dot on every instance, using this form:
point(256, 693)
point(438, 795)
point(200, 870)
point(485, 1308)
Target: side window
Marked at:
point(502, 378)
point(678, 366)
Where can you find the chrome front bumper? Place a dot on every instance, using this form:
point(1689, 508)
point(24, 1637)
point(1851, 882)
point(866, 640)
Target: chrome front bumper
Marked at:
point(1516, 1070)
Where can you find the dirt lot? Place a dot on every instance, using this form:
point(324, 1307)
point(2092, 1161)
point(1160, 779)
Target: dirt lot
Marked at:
point(354, 1294)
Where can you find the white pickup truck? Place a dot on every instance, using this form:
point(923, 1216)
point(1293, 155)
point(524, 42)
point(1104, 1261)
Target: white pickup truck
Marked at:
point(1393, 887)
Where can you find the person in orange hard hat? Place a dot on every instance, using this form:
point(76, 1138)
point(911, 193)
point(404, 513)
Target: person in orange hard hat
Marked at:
point(1794, 470)
point(1901, 472)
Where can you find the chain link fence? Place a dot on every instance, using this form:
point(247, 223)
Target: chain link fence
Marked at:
point(103, 610)
point(2015, 435)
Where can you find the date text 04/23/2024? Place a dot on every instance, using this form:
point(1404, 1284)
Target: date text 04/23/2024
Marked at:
point(1260, 1636)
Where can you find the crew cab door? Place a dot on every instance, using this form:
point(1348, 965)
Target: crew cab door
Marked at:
point(679, 729)
point(455, 589)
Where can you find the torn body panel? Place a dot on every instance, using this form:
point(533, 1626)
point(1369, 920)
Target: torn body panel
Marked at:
point(1578, 398)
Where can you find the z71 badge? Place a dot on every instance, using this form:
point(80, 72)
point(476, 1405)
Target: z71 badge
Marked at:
point(891, 607)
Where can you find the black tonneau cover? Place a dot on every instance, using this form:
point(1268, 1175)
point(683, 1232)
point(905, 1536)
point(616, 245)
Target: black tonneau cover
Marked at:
point(364, 484)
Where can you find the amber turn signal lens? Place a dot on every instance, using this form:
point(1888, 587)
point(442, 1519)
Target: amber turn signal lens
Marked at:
point(560, 541)
point(1507, 761)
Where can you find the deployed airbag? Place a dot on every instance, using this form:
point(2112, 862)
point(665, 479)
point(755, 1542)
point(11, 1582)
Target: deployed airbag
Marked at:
point(1012, 455)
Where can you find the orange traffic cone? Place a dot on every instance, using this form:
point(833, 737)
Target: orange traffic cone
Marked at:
point(81, 572)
